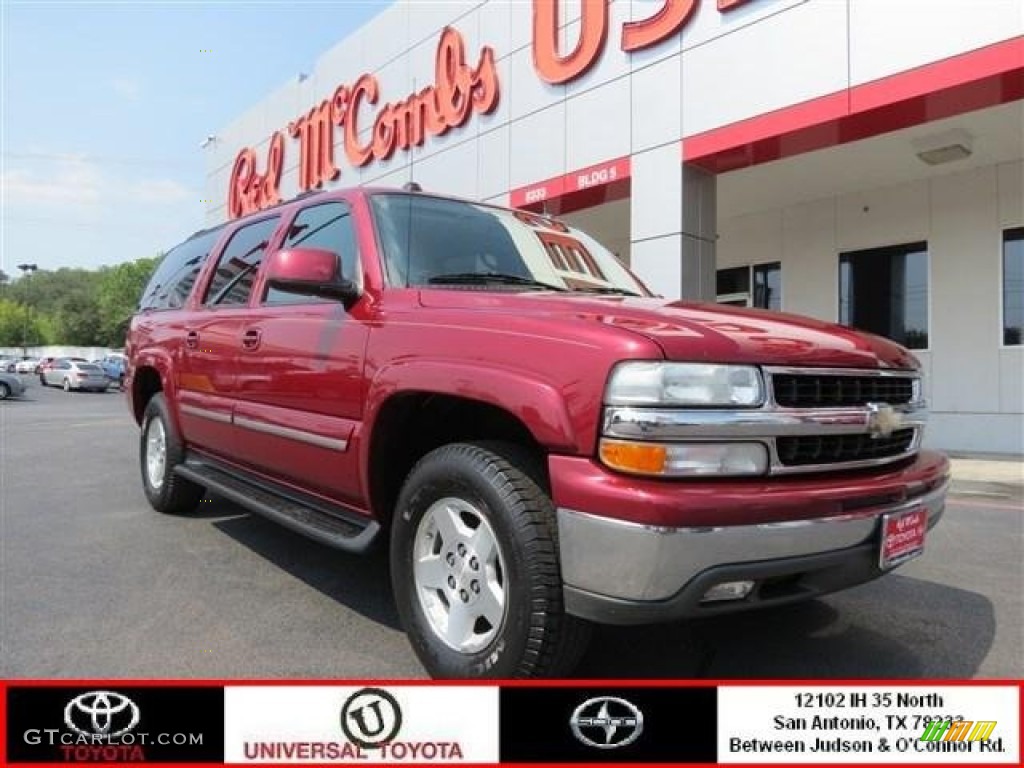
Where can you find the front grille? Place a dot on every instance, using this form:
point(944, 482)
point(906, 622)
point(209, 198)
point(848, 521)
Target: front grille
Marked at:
point(834, 449)
point(807, 390)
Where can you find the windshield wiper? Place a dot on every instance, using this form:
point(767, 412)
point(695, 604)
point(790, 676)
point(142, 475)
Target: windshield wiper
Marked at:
point(499, 278)
point(607, 289)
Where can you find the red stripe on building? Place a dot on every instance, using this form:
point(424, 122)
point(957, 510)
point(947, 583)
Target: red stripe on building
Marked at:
point(588, 186)
point(977, 79)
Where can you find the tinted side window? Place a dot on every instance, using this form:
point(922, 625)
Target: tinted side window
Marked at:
point(173, 279)
point(328, 226)
point(238, 265)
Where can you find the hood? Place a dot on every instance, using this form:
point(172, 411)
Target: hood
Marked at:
point(694, 331)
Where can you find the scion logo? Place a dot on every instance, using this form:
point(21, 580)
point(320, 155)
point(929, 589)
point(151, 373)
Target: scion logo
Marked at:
point(101, 713)
point(371, 717)
point(606, 722)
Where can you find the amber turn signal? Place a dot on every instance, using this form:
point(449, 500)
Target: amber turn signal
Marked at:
point(643, 458)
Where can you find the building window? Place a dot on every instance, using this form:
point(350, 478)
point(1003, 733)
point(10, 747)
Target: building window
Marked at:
point(768, 286)
point(734, 286)
point(1013, 286)
point(885, 291)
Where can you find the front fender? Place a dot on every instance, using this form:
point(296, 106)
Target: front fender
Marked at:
point(538, 404)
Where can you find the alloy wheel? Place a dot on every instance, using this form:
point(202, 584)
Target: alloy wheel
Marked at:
point(459, 575)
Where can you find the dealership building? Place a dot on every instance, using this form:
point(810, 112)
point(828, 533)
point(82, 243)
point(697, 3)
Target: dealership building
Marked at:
point(858, 161)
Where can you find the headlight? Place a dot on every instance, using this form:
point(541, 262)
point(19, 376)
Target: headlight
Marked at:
point(685, 459)
point(686, 384)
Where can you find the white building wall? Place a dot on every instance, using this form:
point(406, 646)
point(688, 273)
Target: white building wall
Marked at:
point(890, 37)
point(723, 68)
point(1010, 213)
point(975, 385)
point(784, 59)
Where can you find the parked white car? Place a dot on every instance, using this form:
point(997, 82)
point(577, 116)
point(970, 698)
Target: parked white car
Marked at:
point(71, 374)
point(28, 365)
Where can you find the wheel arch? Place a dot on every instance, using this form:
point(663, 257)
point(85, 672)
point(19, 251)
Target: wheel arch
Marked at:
point(150, 375)
point(410, 424)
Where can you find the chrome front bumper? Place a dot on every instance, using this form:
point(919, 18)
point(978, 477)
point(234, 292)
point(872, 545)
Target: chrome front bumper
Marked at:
point(625, 573)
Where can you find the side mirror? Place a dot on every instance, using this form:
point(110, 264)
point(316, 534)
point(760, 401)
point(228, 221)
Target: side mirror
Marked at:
point(311, 272)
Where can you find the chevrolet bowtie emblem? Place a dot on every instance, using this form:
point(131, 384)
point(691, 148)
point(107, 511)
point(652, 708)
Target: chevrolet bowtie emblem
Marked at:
point(883, 420)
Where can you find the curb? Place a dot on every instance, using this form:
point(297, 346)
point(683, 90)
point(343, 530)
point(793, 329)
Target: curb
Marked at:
point(985, 488)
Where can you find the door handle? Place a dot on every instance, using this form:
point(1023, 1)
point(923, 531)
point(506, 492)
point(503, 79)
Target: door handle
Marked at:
point(251, 339)
point(192, 339)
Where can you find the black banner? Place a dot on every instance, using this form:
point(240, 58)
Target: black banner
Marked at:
point(609, 725)
point(111, 723)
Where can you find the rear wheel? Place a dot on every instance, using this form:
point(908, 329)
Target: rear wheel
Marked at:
point(67, 385)
point(160, 451)
point(5, 391)
point(474, 565)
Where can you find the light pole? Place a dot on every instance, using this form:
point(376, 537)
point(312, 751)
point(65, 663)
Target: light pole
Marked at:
point(26, 270)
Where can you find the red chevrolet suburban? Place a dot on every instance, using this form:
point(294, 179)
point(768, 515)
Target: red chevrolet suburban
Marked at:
point(542, 442)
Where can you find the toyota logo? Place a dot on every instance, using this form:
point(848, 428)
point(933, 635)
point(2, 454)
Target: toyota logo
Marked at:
point(371, 717)
point(606, 722)
point(101, 713)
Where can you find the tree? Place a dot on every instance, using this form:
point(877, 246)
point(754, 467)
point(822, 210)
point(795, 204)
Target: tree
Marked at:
point(78, 319)
point(16, 322)
point(118, 295)
point(76, 306)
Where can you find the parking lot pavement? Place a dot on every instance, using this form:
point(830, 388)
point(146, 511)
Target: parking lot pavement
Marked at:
point(93, 583)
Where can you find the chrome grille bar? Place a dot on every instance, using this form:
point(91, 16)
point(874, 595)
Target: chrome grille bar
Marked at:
point(840, 428)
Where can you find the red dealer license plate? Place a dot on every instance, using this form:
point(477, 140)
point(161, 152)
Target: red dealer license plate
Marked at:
point(902, 537)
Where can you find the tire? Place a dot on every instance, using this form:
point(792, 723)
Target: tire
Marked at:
point(511, 621)
point(160, 451)
point(67, 385)
point(42, 381)
point(5, 391)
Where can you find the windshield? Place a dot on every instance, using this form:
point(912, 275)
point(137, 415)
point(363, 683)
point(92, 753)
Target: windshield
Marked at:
point(436, 241)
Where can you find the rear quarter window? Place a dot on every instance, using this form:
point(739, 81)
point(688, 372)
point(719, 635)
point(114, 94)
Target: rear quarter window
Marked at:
point(173, 279)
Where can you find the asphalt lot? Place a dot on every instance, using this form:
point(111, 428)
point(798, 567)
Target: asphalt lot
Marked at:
point(93, 583)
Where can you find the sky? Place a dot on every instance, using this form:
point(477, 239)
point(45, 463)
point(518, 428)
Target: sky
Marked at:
point(104, 105)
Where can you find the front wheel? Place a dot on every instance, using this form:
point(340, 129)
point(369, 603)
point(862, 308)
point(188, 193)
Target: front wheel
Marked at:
point(160, 451)
point(474, 564)
point(5, 391)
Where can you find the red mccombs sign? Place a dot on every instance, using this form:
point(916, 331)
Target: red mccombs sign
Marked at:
point(459, 91)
